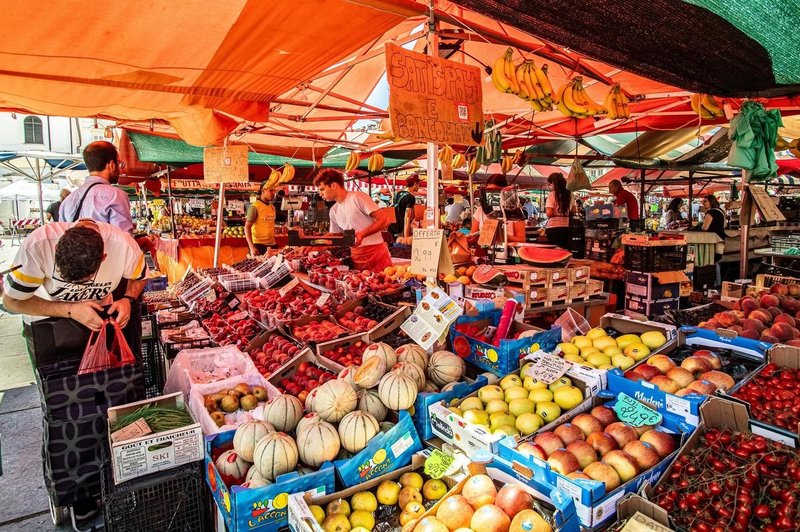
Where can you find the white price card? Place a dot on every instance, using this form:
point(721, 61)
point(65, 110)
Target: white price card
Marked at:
point(548, 368)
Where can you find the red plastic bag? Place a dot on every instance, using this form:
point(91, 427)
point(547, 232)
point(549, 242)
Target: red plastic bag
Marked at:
point(98, 357)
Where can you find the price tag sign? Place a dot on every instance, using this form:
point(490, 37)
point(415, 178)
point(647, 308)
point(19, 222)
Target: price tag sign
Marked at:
point(429, 253)
point(285, 289)
point(634, 413)
point(225, 164)
point(437, 463)
point(195, 203)
point(488, 230)
point(323, 298)
point(237, 317)
point(548, 369)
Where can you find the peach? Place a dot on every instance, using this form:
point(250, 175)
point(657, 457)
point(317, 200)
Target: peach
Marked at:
point(665, 384)
point(727, 319)
point(785, 318)
point(662, 442)
point(752, 323)
point(761, 315)
point(774, 312)
point(793, 343)
point(794, 289)
point(583, 452)
point(791, 306)
point(569, 433)
point(779, 288)
point(768, 338)
point(752, 334)
point(769, 300)
point(748, 304)
point(782, 331)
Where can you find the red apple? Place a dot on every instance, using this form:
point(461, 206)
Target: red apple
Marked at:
point(563, 462)
point(583, 452)
point(662, 362)
point(479, 490)
point(662, 442)
point(604, 415)
point(603, 473)
point(643, 453)
point(647, 371)
point(569, 433)
point(623, 463)
point(681, 376)
point(549, 442)
point(490, 518)
point(665, 384)
point(512, 499)
point(587, 423)
point(602, 442)
point(622, 433)
point(702, 387)
point(696, 364)
point(455, 512)
point(531, 449)
point(720, 379)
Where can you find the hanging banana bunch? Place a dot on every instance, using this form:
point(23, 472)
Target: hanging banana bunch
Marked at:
point(375, 163)
point(573, 101)
point(388, 135)
point(616, 103)
point(445, 155)
point(353, 160)
point(504, 73)
point(519, 158)
point(707, 107)
point(274, 179)
point(287, 174)
point(534, 86)
point(506, 164)
point(473, 165)
point(458, 160)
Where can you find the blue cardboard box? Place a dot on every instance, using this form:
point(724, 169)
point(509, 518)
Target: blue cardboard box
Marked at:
point(503, 359)
point(264, 508)
point(385, 452)
point(593, 505)
point(421, 415)
point(687, 407)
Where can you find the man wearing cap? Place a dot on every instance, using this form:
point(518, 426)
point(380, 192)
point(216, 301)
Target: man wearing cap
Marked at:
point(404, 204)
point(355, 210)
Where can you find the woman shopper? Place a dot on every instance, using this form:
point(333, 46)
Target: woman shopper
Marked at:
point(672, 216)
point(714, 222)
point(558, 207)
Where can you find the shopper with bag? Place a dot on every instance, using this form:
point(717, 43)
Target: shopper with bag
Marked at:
point(69, 270)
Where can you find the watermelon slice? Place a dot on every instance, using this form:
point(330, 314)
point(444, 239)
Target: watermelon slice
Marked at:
point(487, 275)
point(542, 257)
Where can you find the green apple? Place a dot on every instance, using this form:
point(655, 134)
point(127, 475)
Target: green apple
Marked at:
point(528, 423)
point(567, 397)
point(521, 406)
point(471, 403)
point(496, 405)
point(489, 392)
point(510, 381)
point(548, 411)
point(540, 395)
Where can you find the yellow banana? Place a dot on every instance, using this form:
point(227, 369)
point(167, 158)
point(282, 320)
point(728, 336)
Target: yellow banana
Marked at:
point(695, 103)
point(506, 164)
point(375, 162)
point(473, 166)
point(274, 179)
point(623, 109)
point(537, 106)
point(352, 162)
point(519, 158)
point(543, 81)
point(572, 100)
point(459, 160)
point(287, 174)
point(388, 135)
point(510, 71)
point(712, 106)
point(559, 100)
point(498, 75)
point(596, 108)
point(534, 81)
point(610, 102)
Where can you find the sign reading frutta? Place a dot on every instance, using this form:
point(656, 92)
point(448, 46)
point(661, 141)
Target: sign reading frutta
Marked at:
point(433, 99)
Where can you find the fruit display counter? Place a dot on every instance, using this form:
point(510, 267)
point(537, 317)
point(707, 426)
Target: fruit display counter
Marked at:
point(175, 255)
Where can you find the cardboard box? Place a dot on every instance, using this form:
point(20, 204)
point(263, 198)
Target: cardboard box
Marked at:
point(347, 341)
point(472, 291)
point(287, 370)
point(532, 276)
point(302, 520)
point(556, 508)
point(420, 414)
point(647, 286)
point(385, 452)
point(263, 508)
point(641, 515)
point(605, 212)
point(154, 452)
point(595, 507)
point(645, 307)
point(503, 359)
point(688, 407)
point(472, 439)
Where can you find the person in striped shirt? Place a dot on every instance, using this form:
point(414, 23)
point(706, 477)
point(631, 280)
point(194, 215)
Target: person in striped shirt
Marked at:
point(69, 270)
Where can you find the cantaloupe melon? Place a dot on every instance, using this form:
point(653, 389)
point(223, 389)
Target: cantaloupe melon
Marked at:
point(412, 353)
point(430, 387)
point(370, 372)
point(318, 443)
point(247, 435)
point(412, 370)
point(348, 375)
point(382, 350)
point(275, 455)
point(311, 417)
point(232, 467)
point(256, 482)
point(356, 429)
point(284, 412)
point(334, 399)
point(254, 474)
point(397, 391)
point(371, 402)
point(445, 367)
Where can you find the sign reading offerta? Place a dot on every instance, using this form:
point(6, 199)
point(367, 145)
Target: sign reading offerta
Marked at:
point(432, 99)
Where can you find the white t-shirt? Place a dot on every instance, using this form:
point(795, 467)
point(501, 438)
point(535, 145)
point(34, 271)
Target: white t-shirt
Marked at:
point(455, 212)
point(38, 275)
point(559, 219)
point(354, 213)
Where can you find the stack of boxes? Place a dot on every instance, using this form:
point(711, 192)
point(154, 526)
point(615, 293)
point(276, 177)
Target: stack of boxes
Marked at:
point(544, 287)
point(603, 223)
point(655, 272)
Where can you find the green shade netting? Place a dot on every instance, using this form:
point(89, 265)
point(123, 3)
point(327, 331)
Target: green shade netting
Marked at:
point(780, 37)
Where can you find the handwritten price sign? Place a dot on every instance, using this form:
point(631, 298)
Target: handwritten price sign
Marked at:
point(437, 463)
point(548, 369)
point(634, 413)
point(425, 251)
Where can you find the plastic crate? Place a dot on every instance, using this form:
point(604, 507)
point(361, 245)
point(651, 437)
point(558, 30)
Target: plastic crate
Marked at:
point(650, 259)
point(171, 501)
point(238, 282)
point(153, 367)
point(765, 280)
point(155, 284)
point(782, 243)
point(599, 249)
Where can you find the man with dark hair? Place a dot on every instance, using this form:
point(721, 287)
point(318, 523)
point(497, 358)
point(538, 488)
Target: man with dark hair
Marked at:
point(404, 202)
point(52, 209)
point(70, 270)
point(97, 198)
point(355, 210)
point(259, 225)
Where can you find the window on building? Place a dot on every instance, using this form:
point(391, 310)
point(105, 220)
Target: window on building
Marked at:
point(33, 130)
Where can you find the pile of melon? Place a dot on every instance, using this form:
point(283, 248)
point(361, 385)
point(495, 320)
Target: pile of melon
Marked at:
point(344, 414)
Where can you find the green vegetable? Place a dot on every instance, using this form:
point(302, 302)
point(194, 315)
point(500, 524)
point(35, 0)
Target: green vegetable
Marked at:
point(158, 418)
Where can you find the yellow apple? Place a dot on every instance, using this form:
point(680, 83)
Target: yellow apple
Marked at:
point(612, 350)
point(489, 392)
point(573, 358)
point(517, 392)
point(563, 381)
point(540, 395)
point(548, 411)
point(581, 341)
point(606, 366)
point(637, 351)
point(568, 348)
point(598, 359)
point(603, 342)
point(586, 351)
point(476, 417)
point(626, 340)
point(521, 406)
point(528, 423)
point(622, 361)
point(506, 430)
point(510, 381)
point(499, 419)
point(596, 333)
point(653, 339)
point(567, 397)
point(471, 403)
point(496, 405)
point(457, 411)
point(533, 384)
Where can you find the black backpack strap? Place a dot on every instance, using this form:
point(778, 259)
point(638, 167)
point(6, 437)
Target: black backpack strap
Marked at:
point(76, 217)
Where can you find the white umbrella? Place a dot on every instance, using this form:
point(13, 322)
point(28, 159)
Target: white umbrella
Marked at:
point(28, 190)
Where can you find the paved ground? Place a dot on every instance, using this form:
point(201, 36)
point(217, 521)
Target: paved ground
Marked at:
point(25, 504)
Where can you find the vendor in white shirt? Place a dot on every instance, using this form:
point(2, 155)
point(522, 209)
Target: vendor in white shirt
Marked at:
point(355, 210)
